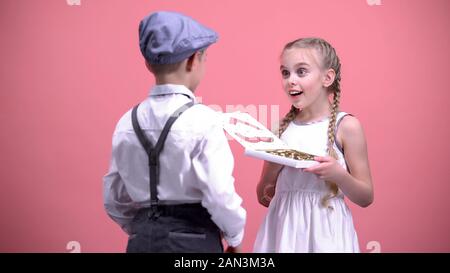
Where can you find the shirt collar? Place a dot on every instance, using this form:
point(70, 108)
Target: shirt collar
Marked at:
point(166, 89)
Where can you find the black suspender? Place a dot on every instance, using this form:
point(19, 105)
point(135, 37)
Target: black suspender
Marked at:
point(153, 153)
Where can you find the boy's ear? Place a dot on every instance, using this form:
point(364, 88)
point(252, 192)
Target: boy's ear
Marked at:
point(149, 67)
point(329, 77)
point(191, 61)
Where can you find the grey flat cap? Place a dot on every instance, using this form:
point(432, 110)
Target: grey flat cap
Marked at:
point(170, 37)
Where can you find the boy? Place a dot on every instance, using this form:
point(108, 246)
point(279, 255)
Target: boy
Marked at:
point(170, 183)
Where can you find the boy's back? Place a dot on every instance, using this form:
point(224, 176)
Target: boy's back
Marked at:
point(195, 167)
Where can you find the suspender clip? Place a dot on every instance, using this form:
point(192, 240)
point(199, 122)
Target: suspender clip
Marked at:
point(154, 212)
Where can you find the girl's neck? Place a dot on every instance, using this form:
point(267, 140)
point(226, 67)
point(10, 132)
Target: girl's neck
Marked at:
point(312, 114)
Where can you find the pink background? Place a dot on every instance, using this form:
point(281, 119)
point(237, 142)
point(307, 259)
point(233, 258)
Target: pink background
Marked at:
point(67, 74)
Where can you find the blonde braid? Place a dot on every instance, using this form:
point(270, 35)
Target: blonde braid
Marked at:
point(330, 147)
point(290, 116)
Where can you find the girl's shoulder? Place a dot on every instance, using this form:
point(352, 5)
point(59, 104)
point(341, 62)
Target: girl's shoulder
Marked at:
point(350, 130)
point(349, 123)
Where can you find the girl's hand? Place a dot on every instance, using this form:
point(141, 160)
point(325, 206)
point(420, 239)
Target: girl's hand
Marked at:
point(267, 184)
point(269, 192)
point(328, 169)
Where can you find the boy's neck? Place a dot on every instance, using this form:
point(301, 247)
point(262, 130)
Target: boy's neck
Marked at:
point(159, 80)
point(169, 79)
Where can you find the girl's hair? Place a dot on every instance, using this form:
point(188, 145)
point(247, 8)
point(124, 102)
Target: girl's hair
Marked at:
point(330, 60)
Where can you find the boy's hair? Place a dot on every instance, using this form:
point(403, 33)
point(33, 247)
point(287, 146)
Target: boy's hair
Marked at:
point(329, 60)
point(159, 69)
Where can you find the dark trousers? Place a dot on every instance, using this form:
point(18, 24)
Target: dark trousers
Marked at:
point(178, 229)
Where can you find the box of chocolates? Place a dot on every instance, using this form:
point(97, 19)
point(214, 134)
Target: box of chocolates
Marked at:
point(261, 143)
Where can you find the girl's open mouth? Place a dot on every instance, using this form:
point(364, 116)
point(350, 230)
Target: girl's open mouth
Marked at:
point(295, 93)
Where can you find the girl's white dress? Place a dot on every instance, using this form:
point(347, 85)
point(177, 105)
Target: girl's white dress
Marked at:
point(296, 221)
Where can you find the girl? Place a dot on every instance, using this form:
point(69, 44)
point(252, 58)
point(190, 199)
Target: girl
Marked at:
point(306, 211)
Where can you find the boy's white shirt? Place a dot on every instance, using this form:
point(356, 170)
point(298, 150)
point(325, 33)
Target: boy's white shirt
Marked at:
point(196, 163)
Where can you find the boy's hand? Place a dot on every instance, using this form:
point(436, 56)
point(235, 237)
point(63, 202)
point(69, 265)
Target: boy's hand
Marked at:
point(231, 249)
point(328, 169)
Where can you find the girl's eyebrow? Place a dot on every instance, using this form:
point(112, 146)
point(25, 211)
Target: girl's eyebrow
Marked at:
point(296, 65)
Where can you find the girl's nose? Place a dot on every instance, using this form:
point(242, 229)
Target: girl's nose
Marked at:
point(292, 81)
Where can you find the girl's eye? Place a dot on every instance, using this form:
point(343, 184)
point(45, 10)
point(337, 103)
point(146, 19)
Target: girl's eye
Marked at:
point(301, 71)
point(284, 73)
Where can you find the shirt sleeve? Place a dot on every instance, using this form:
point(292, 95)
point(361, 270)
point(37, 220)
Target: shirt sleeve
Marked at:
point(117, 202)
point(213, 165)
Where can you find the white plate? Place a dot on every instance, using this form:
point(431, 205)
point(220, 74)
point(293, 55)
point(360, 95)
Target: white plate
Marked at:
point(281, 159)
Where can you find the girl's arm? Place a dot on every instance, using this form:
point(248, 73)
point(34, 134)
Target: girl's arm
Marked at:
point(266, 186)
point(357, 183)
